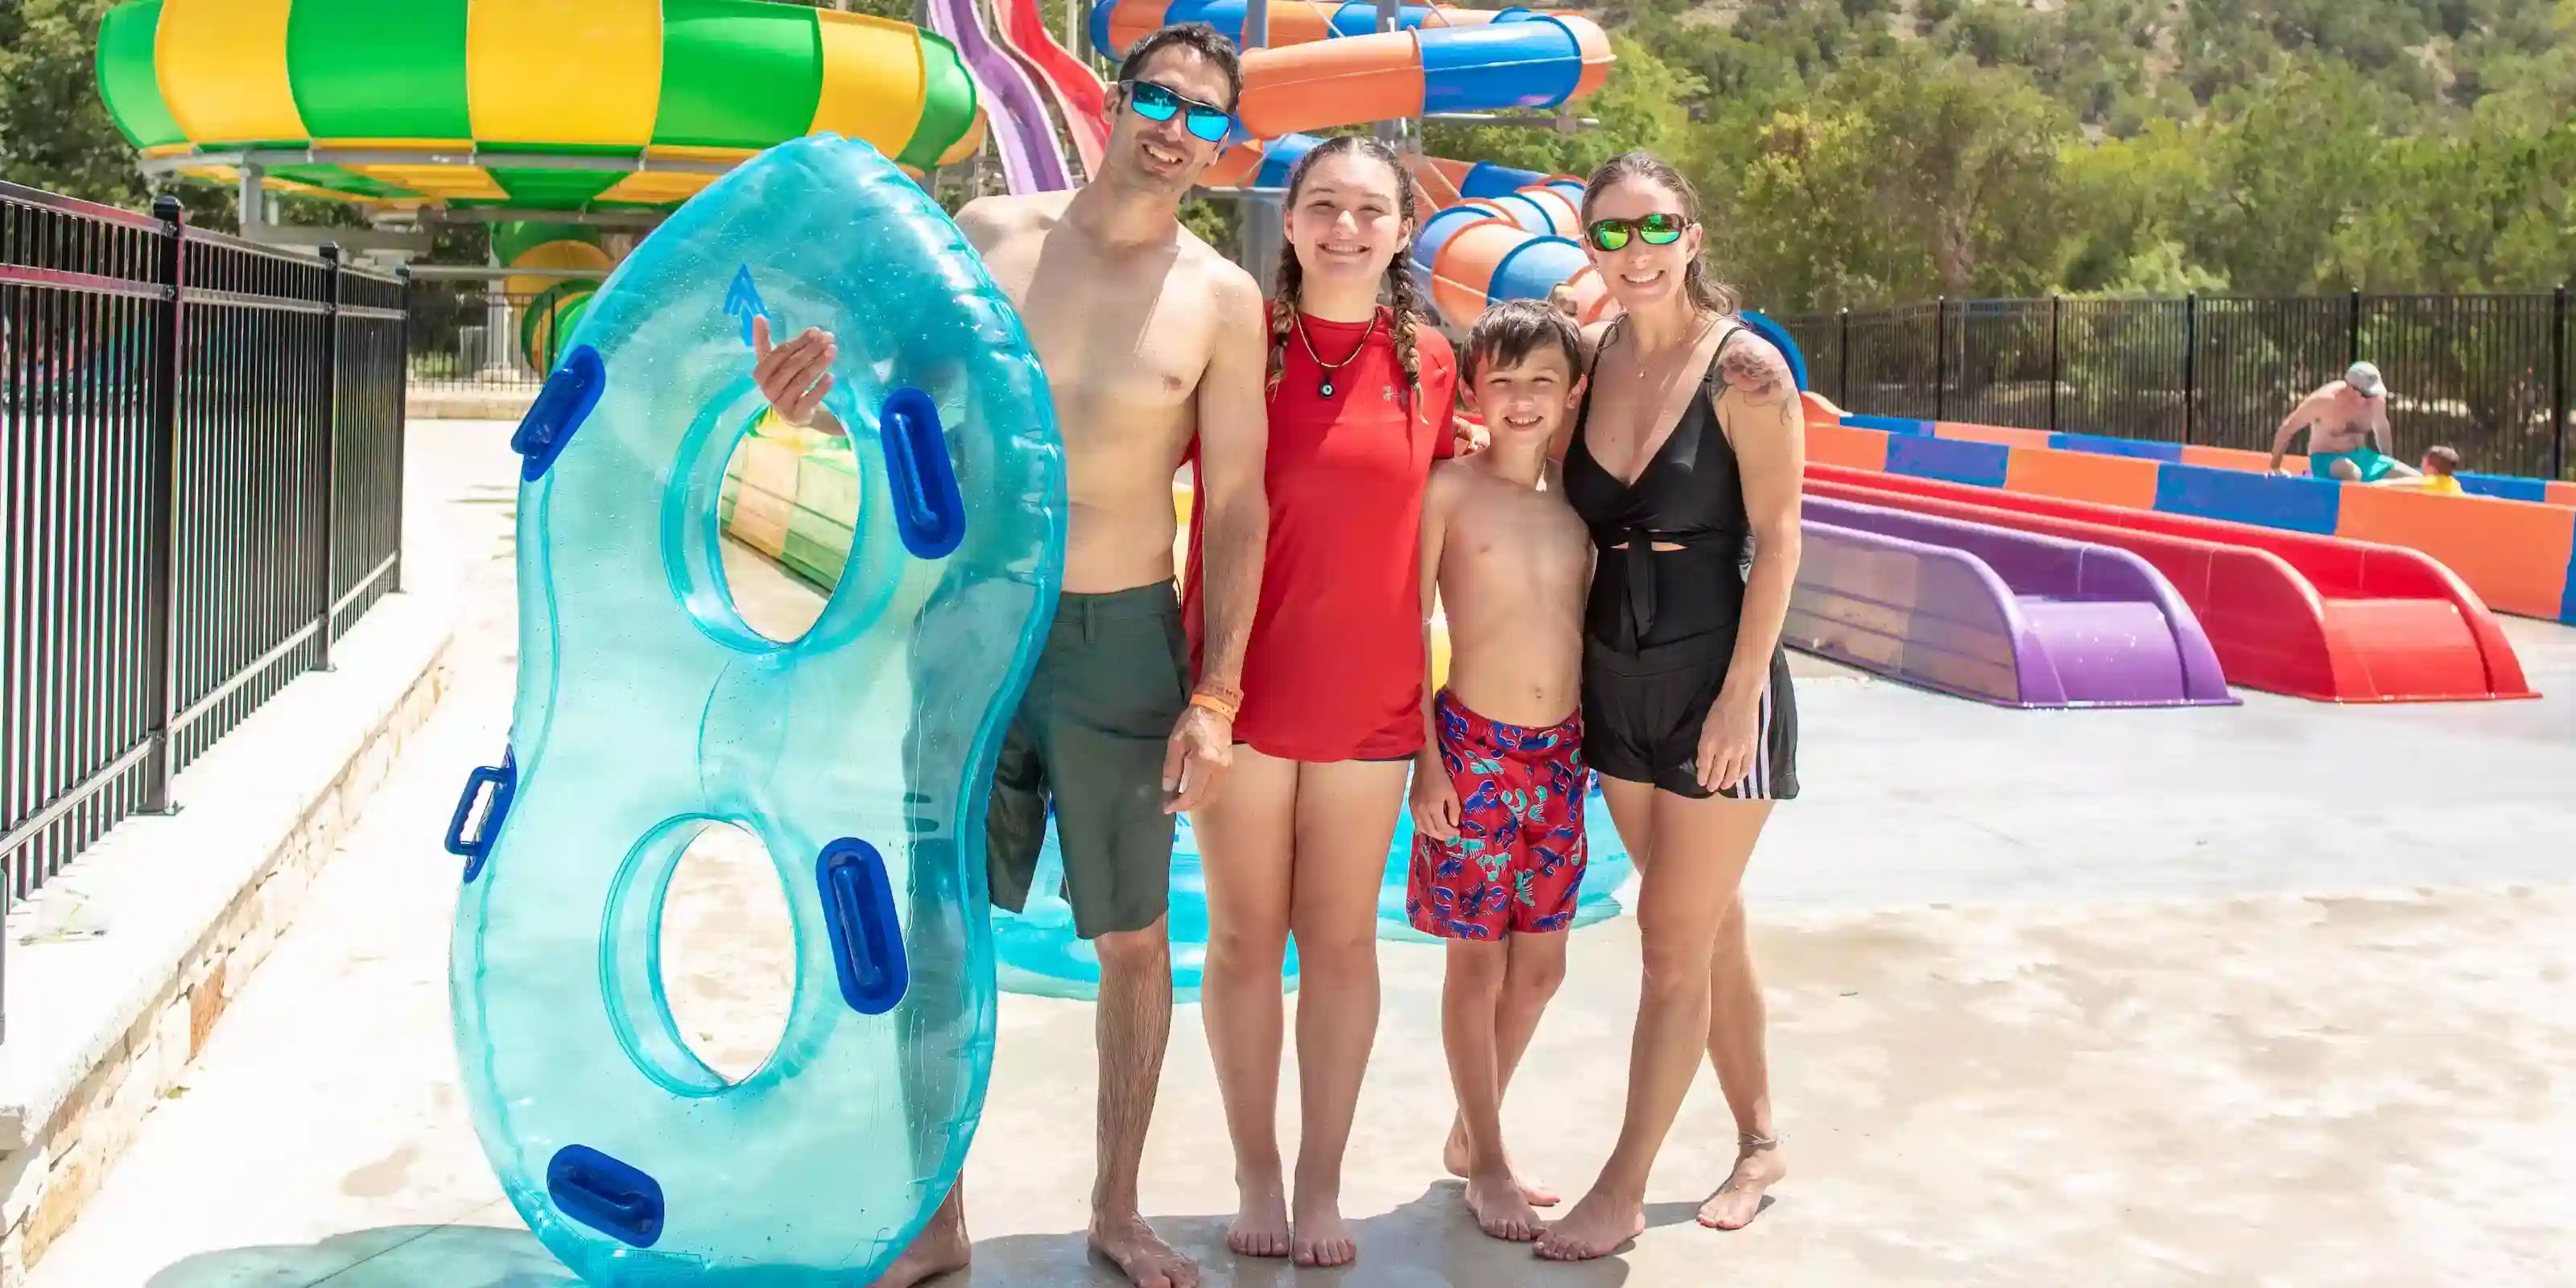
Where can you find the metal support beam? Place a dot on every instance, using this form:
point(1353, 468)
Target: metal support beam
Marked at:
point(253, 200)
point(1260, 227)
point(1390, 17)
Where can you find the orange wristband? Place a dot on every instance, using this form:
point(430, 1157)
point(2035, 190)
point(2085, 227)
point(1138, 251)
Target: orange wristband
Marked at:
point(1218, 705)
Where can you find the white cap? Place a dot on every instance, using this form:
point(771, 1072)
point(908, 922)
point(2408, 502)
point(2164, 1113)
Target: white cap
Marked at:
point(2364, 378)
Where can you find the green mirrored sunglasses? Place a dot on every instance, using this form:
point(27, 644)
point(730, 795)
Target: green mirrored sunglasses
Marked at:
point(1657, 230)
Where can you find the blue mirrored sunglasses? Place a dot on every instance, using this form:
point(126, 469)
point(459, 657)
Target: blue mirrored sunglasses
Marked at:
point(1155, 103)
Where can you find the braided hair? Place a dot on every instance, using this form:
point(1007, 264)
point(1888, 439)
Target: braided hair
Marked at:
point(1705, 290)
point(1403, 297)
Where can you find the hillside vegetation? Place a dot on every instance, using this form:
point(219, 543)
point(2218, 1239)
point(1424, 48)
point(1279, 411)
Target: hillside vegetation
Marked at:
point(1858, 152)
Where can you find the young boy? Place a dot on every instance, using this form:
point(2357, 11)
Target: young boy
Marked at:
point(1498, 791)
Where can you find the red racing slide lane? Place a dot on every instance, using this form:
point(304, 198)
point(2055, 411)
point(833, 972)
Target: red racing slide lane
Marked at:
point(2288, 612)
point(1079, 96)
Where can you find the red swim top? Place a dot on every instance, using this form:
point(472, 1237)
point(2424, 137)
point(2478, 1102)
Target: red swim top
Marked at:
point(1334, 668)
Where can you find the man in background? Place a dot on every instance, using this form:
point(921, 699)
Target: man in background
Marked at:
point(2347, 424)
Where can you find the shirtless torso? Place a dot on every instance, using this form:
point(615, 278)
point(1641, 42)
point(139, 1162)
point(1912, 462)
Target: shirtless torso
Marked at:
point(1126, 335)
point(1514, 565)
point(2339, 418)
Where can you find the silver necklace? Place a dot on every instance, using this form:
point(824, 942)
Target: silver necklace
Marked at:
point(1324, 385)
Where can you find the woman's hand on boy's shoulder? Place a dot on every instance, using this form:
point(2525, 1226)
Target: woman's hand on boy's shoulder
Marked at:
point(1467, 437)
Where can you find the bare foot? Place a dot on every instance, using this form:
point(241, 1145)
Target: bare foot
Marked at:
point(1454, 1157)
point(1500, 1210)
point(939, 1248)
point(1140, 1254)
point(1737, 1202)
point(1321, 1238)
point(1595, 1227)
point(1260, 1226)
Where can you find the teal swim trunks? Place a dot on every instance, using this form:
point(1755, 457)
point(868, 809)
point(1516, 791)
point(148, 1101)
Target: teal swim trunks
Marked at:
point(2373, 465)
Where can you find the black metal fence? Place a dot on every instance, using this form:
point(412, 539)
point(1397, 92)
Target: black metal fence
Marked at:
point(2490, 375)
point(473, 337)
point(201, 460)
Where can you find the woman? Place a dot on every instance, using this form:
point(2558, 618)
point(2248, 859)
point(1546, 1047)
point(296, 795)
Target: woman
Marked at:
point(1687, 452)
point(1361, 401)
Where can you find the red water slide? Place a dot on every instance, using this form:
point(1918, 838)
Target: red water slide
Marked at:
point(2288, 612)
point(1079, 96)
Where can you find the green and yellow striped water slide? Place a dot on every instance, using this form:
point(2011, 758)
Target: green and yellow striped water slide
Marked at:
point(510, 105)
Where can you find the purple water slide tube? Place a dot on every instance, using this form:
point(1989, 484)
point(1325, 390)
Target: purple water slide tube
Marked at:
point(1032, 158)
point(2007, 617)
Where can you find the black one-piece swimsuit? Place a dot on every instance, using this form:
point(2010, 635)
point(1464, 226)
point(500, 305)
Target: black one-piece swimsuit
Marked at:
point(1659, 625)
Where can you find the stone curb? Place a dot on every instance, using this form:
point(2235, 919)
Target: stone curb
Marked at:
point(184, 908)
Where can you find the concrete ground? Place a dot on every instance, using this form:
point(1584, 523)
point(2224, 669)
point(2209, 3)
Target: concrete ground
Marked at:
point(2275, 994)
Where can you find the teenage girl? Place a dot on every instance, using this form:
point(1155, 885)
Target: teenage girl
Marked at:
point(1361, 396)
point(1685, 464)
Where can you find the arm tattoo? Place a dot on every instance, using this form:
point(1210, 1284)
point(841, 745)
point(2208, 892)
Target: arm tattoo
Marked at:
point(1752, 367)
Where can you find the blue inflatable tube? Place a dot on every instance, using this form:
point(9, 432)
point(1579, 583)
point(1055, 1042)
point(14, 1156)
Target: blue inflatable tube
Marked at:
point(859, 754)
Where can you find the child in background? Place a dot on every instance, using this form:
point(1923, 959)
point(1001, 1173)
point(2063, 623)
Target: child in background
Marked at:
point(2440, 464)
point(1498, 790)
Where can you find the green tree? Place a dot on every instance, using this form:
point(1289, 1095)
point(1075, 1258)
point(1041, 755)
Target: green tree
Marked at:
point(2131, 202)
point(2291, 165)
point(55, 132)
point(1907, 178)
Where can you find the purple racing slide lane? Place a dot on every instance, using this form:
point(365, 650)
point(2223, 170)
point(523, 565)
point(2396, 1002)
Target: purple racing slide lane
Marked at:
point(2007, 617)
point(1032, 157)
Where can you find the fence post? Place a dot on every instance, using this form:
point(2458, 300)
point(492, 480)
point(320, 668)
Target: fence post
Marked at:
point(2053, 302)
point(160, 544)
point(2190, 360)
point(1842, 357)
point(2558, 382)
point(1940, 357)
point(328, 483)
point(402, 415)
point(2352, 329)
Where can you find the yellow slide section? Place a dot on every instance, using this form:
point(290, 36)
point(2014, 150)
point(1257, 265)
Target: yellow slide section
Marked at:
point(515, 64)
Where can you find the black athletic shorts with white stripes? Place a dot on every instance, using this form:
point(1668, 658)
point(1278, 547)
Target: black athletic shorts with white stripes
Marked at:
point(1642, 714)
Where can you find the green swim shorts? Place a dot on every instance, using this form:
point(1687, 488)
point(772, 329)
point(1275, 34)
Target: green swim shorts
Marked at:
point(2373, 465)
point(1089, 738)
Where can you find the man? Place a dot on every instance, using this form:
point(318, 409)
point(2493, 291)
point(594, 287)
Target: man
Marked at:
point(2347, 423)
point(1150, 340)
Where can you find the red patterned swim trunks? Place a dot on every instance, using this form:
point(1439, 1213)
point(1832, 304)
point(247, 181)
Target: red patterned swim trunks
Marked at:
point(1517, 863)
